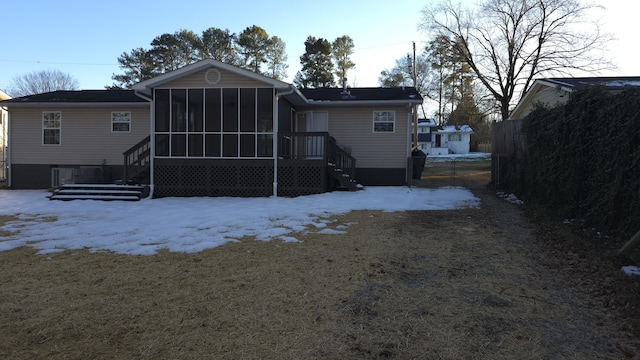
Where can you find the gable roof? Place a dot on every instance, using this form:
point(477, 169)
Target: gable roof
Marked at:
point(453, 129)
point(78, 96)
point(609, 83)
point(568, 85)
point(147, 85)
point(337, 96)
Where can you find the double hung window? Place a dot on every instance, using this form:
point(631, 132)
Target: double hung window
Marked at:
point(384, 121)
point(120, 121)
point(51, 126)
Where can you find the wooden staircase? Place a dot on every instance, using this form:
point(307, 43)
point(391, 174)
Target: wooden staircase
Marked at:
point(341, 167)
point(343, 179)
point(100, 192)
point(137, 161)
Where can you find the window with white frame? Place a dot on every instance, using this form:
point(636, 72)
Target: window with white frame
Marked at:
point(51, 125)
point(455, 137)
point(120, 121)
point(384, 121)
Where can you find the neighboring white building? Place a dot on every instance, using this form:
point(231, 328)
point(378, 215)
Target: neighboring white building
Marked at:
point(442, 140)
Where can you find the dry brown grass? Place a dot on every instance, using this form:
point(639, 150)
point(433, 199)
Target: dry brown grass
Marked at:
point(459, 284)
point(3, 220)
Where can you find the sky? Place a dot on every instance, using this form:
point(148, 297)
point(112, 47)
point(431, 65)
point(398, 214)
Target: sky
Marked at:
point(194, 224)
point(85, 41)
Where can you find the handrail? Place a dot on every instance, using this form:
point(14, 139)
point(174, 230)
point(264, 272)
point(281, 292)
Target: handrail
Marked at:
point(137, 159)
point(303, 145)
point(341, 158)
point(316, 145)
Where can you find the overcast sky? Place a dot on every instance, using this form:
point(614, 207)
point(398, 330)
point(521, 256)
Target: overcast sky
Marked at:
point(84, 39)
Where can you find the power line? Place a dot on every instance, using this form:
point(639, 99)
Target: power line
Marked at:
point(54, 63)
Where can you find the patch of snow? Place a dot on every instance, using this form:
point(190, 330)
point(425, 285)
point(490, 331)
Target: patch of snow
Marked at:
point(510, 198)
point(195, 224)
point(631, 270)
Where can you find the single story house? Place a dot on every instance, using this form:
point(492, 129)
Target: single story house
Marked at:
point(441, 140)
point(212, 129)
point(552, 92)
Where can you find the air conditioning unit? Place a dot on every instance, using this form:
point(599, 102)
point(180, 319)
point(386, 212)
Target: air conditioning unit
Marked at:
point(61, 176)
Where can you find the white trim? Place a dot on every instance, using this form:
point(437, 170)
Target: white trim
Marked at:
point(373, 124)
point(148, 85)
point(59, 128)
point(128, 122)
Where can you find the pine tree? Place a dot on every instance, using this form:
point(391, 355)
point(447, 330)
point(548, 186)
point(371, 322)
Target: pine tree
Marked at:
point(253, 46)
point(317, 67)
point(341, 49)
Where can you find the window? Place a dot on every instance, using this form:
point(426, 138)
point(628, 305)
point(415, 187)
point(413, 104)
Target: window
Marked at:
point(383, 121)
point(51, 121)
point(120, 121)
point(455, 137)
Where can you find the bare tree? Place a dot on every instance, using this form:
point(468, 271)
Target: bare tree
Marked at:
point(41, 82)
point(508, 43)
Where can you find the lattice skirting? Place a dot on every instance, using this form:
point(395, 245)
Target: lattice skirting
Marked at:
point(242, 178)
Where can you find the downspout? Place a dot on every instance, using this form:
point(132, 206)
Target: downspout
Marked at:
point(152, 139)
point(276, 135)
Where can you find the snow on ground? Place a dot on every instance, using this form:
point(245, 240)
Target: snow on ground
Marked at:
point(199, 223)
point(474, 156)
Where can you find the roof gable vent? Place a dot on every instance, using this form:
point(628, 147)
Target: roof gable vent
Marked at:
point(212, 76)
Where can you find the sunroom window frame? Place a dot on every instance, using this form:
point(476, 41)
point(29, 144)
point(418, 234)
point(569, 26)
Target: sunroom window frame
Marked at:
point(239, 132)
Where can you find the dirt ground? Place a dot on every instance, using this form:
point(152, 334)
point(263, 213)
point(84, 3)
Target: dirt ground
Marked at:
point(498, 282)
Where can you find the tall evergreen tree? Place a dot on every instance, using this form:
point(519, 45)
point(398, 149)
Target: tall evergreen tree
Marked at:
point(218, 44)
point(317, 67)
point(253, 45)
point(252, 49)
point(276, 59)
point(439, 52)
point(138, 65)
point(341, 49)
point(173, 51)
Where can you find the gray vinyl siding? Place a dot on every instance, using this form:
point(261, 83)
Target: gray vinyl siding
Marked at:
point(86, 137)
point(227, 79)
point(353, 127)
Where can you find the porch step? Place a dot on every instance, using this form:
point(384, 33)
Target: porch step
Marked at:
point(344, 180)
point(99, 192)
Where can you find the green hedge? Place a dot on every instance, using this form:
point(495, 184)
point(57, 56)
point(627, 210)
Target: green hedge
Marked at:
point(582, 160)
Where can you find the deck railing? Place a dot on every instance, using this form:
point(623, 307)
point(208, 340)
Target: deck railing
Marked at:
point(137, 159)
point(341, 158)
point(313, 146)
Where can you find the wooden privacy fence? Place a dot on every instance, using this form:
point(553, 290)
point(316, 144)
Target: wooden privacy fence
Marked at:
point(508, 150)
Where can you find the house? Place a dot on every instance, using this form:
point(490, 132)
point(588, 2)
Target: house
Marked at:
point(441, 140)
point(552, 92)
point(212, 129)
point(3, 138)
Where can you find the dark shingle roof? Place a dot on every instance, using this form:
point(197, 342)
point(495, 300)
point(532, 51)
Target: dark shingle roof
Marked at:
point(362, 94)
point(610, 83)
point(79, 96)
